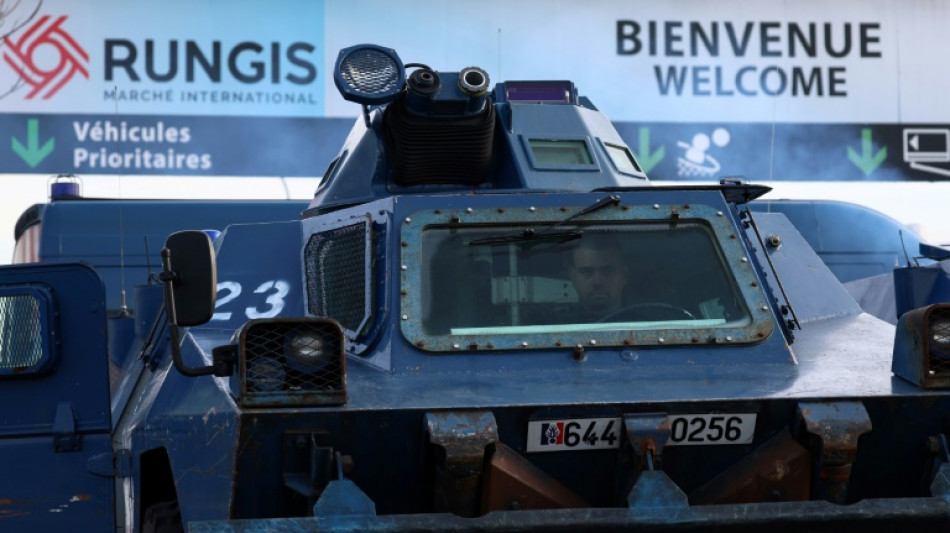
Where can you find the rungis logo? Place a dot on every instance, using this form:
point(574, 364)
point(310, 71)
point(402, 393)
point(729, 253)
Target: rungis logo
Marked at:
point(30, 57)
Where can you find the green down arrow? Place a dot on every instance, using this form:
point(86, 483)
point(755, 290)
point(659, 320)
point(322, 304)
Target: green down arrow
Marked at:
point(33, 153)
point(867, 161)
point(646, 159)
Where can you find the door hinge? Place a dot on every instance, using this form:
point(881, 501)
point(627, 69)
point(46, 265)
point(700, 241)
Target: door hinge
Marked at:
point(65, 438)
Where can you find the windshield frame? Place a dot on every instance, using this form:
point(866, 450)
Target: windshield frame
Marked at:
point(736, 260)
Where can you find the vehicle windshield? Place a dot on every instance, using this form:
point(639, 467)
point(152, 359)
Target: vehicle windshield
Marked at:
point(481, 283)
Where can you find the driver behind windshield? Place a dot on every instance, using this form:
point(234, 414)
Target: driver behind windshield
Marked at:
point(599, 277)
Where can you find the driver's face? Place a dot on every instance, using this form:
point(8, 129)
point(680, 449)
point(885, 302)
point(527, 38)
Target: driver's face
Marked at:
point(599, 278)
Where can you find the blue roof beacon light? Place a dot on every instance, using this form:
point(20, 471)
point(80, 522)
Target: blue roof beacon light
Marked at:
point(64, 187)
point(369, 74)
point(541, 92)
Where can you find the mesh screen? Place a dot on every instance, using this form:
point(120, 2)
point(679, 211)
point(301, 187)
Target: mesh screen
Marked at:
point(939, 341)
point(271, 367)
point(336, 283)
point(21, 336)
point(370, 71)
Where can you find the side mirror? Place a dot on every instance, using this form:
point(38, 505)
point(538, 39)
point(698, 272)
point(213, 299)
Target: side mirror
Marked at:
point(188, 258)
point(189, 275)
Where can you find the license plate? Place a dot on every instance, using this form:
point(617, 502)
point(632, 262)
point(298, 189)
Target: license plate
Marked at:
point(688, 430)
point(574, 434)
point(606, 433)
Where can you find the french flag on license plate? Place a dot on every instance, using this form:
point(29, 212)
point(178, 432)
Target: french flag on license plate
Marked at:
point(552, 433)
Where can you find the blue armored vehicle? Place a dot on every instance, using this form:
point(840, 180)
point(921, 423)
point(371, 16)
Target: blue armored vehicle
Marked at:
point(486, 319)
point(854, 241)
point(123, 238)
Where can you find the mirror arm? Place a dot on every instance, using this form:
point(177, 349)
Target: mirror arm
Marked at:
point(167, 277)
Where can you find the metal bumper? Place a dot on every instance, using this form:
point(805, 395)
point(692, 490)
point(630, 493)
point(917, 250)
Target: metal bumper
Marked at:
point(898, 514)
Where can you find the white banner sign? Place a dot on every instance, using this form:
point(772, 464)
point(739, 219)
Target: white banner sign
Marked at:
point(116, 57)
point(638, 60)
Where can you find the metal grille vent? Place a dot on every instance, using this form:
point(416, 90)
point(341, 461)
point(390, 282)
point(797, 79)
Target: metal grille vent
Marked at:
point(429, 150)
point(336, 275)
point(21, 335)
point(938, 357)
point(289, 362)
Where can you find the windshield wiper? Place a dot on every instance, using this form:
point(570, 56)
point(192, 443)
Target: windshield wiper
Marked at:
point(527, 235)
point(546, 233)
point(596, 206)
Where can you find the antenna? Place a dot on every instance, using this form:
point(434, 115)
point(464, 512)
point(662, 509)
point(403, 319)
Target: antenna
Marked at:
point(123, 308)
point(148, 263)
point(772, 147)
point(283, 181)
point(772, 143)
point(499, 54)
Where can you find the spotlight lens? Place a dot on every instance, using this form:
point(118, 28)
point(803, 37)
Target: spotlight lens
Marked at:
point(306, 347)
point(369, 74)
point(370, 71)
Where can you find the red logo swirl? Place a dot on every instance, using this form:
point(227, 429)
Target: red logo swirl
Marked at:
point(21, 55)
